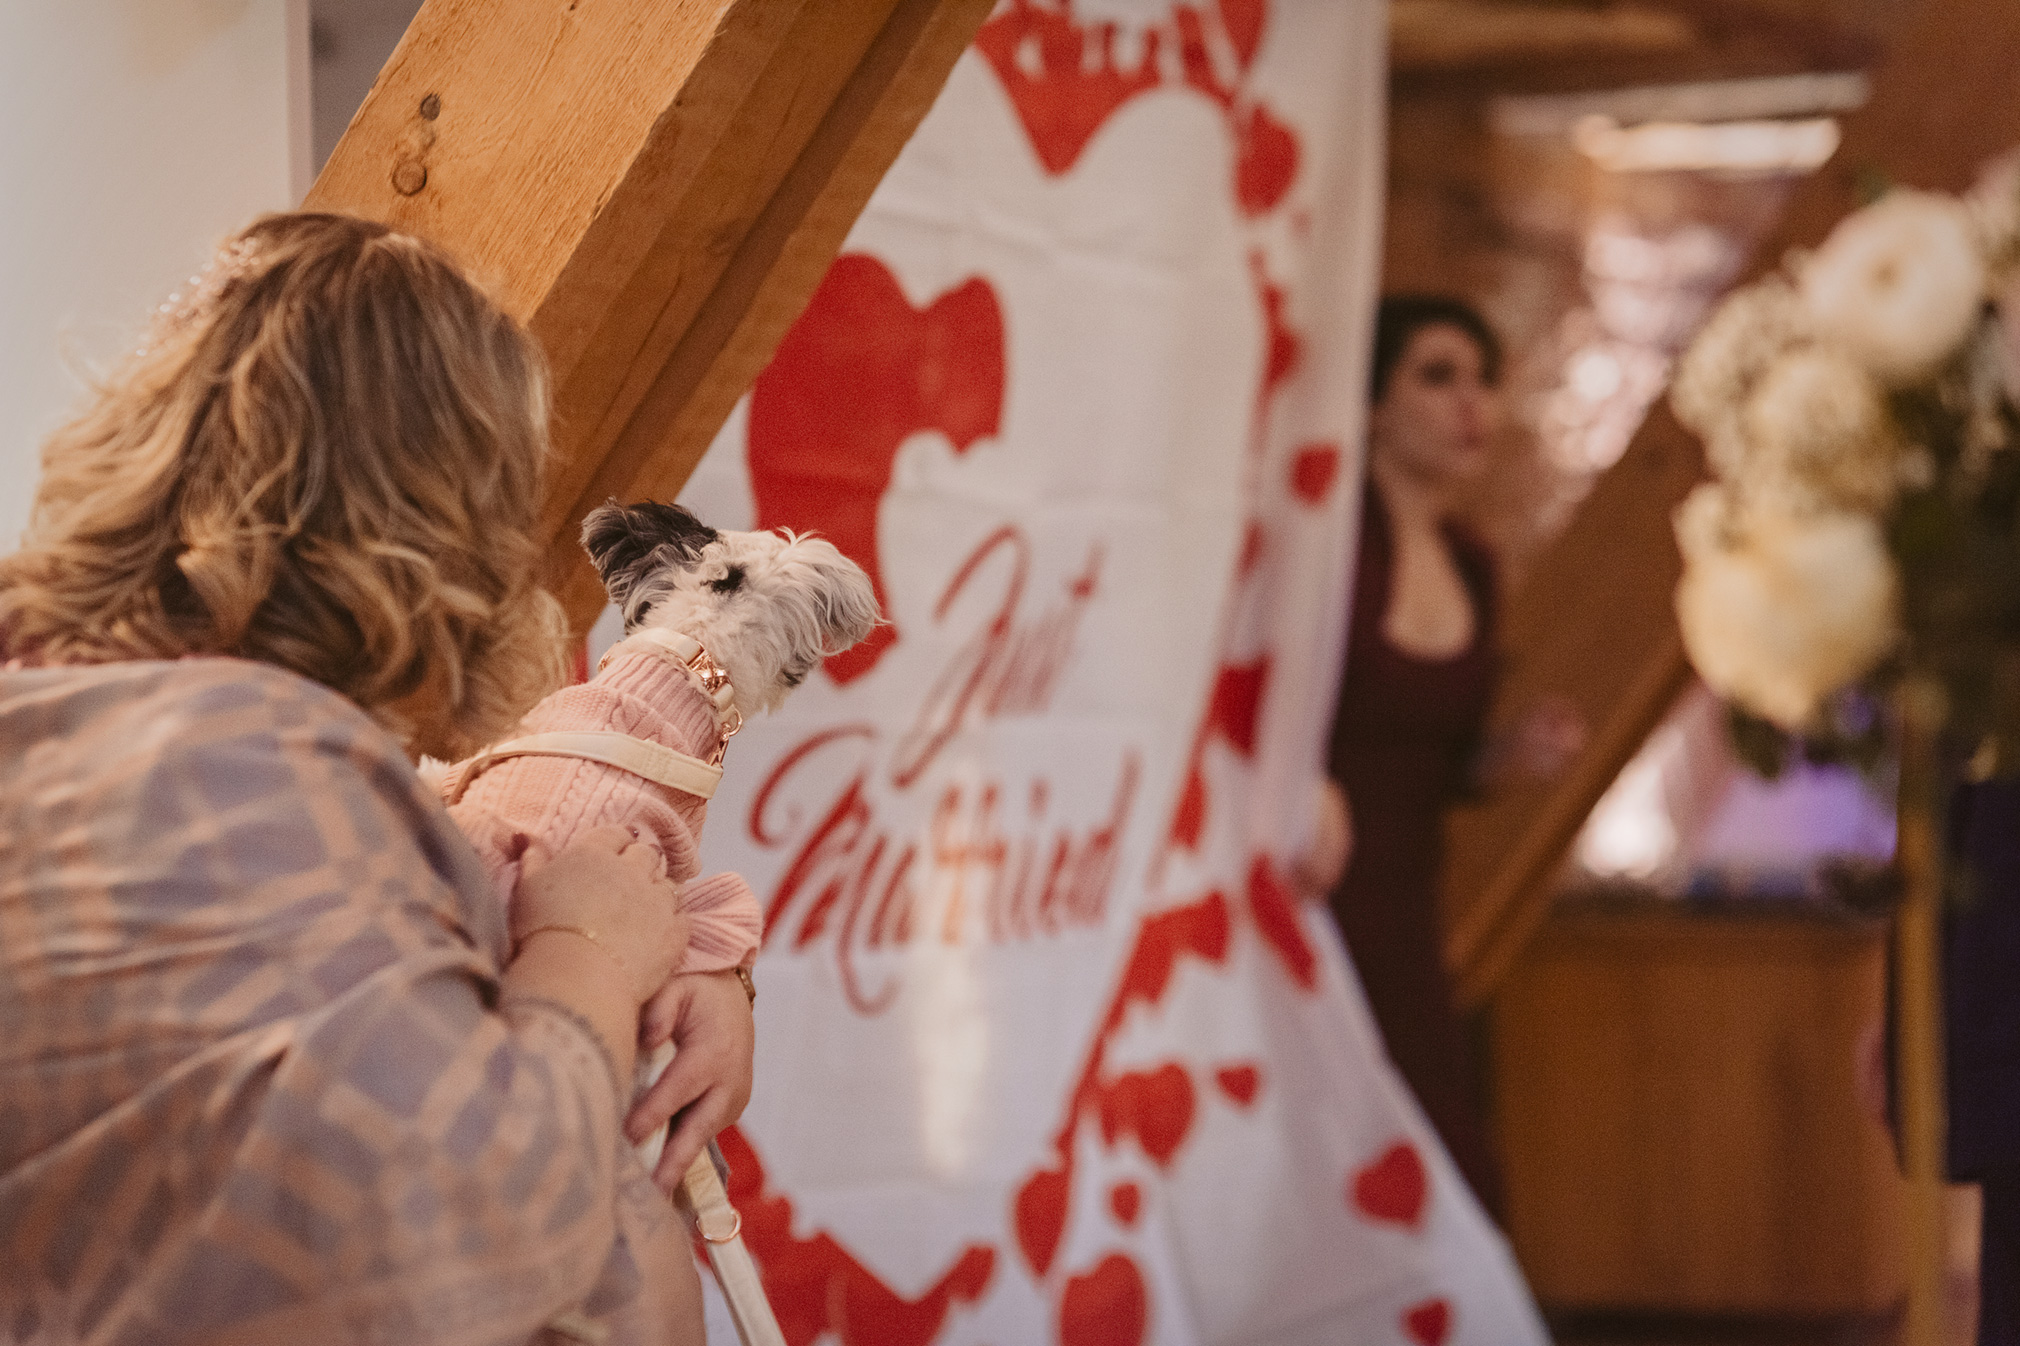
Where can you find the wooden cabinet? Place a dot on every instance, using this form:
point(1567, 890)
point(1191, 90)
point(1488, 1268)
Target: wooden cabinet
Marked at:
point(1675, 1095)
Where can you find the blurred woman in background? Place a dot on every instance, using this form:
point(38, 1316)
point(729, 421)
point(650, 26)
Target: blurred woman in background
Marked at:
point(1421, 667)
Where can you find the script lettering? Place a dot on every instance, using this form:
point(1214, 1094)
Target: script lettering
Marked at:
point(885, 855)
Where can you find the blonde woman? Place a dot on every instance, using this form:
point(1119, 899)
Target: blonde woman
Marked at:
point(276, 1068)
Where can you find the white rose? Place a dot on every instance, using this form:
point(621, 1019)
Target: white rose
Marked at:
point(1787, 611)
point(1818, 420)
point(1749, 330)
point(1897, 284)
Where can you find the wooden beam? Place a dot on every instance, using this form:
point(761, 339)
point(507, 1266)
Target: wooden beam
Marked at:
point(1447, 34)
point(1595, 622)
point(1475, 47)
point(1592, 622)
point(654, 186)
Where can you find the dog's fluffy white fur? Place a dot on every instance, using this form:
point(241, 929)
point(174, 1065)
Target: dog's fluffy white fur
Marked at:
point(768, 607)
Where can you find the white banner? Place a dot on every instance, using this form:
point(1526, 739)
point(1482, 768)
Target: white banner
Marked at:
point(1047, 1050)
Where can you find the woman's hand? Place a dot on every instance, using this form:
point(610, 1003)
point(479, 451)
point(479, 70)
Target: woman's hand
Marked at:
point(613, 885)
point(597, 928)
point(1547, 738)
point(1319, 869)
point(707, 1015)
point(1543, 741)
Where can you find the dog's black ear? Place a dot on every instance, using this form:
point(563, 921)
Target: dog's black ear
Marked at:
point(627, 543)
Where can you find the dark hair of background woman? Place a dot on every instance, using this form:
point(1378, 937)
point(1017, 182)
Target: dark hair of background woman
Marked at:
point(1402, 316)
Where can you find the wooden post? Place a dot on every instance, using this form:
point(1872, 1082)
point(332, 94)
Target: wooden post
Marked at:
point(1918, 1006)
point(654, 186)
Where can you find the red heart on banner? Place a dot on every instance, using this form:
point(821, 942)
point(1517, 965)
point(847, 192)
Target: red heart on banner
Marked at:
point(1429, 1323)
point(1040, 1210)
point(1239, 1082)
point(1313, 472)
point(1394, 1187)
point(860, 372)
point(1108, 1306)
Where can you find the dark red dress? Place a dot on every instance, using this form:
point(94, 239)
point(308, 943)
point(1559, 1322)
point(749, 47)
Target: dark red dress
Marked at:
point(1404, 742)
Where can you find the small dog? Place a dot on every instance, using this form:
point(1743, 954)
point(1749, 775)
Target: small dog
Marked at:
point(718, 626)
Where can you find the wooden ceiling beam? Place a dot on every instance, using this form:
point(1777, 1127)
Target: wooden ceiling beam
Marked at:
point(1595, 620)
point(1474, 47)
point(654, 186)
point(1468, 34)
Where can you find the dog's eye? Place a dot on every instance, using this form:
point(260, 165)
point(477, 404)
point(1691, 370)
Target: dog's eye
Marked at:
point(795, 675)
point(731, 581)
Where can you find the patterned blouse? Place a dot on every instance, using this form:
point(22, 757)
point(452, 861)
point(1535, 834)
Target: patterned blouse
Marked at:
point(257, 1083)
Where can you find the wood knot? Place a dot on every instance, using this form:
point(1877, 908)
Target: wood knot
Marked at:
point(431, 107)
point(409, 177)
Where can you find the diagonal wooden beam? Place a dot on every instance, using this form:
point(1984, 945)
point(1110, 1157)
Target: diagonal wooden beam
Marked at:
point(1594, 622)
point(654, 186)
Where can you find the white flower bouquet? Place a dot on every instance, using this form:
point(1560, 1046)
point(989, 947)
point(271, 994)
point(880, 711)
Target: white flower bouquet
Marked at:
point(1858, 411)
point(1862, 537)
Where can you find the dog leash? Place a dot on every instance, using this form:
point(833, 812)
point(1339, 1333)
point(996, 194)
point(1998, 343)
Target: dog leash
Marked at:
point(704, 1191)
point(720, 1226)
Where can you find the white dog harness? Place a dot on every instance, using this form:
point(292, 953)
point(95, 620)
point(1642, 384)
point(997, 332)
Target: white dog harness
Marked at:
point(641, 757)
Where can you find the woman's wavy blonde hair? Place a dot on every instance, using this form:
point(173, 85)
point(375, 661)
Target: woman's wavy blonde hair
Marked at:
point(329, 458)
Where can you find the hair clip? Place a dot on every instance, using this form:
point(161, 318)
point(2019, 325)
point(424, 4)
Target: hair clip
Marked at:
point(233, 262)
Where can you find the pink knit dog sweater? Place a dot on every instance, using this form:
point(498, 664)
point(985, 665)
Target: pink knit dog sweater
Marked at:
point(640, 692)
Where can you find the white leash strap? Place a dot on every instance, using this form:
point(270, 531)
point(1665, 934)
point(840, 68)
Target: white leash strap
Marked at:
point(720, 1227)
point(718, 1222)
point(655, 762)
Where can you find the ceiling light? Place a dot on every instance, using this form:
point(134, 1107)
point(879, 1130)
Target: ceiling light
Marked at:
point(1796, 146)
point(1774, 97)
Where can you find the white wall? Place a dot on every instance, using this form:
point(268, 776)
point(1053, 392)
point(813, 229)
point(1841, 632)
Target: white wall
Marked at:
point(133, 135)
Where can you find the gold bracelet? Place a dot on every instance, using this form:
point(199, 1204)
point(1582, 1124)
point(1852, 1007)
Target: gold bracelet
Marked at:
point(586, 933)
point(749, 987)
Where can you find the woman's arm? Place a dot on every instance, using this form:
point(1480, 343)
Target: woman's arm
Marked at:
point(705, 1012)
point(501, 1193)
point(370, 1130)
point(572, 914)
